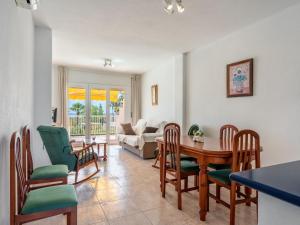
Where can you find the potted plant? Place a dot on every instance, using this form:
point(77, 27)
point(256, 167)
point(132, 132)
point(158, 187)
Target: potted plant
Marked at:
point(198, 136)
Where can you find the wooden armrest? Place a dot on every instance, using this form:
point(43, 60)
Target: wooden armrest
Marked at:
point(77, 152)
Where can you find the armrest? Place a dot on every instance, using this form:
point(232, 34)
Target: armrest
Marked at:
point(150, 137)
point(83, 150)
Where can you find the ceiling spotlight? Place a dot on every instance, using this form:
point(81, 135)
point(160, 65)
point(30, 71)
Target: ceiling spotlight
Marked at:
point(108, 62)
point(169, 8)
point(170, 5)
point(28, 4)
point(180, 7)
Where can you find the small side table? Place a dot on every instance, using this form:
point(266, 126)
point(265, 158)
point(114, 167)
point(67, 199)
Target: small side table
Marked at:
point(98, 144)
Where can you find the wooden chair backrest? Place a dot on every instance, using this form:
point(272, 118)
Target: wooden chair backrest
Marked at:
point(227, 133)
point(246, 148)
point(26, 152)
point(18, 185)
point(172, 146)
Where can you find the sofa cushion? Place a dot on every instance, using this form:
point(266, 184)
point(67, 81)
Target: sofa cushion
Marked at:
point(140, 127)
point(127, 128)
point(132, 140)
point(150, 130)
point(52, 171)
point(50, 198)
point(161, 127)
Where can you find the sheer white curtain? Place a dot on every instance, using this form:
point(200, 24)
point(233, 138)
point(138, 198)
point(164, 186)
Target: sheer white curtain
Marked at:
point(135, 98)
point(62, 99)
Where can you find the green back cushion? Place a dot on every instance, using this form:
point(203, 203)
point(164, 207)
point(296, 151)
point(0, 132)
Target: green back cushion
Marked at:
point(50, 198)
point(56, 142)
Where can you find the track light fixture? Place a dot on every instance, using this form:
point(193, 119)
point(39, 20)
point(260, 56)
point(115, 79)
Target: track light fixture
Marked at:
point(170, 5)
point(28, 4)
point(108, 63)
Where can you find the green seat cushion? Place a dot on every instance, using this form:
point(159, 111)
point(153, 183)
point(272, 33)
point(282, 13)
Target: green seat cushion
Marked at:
point(50, 198)
point(186, 157)
point(219, 166)
point(86, 158)
point(220, 175)
point(183, 157)
point(189, 166)
point(52, 171)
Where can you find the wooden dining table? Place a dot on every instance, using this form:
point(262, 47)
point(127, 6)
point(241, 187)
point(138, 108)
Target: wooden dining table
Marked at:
point(210, 151)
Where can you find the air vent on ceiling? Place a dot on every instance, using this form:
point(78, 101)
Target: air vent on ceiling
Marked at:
point(28, 4)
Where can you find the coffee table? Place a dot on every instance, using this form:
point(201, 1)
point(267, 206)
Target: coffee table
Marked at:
point(98, 143)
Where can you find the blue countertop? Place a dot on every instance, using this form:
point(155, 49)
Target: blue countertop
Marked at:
point(281, 181)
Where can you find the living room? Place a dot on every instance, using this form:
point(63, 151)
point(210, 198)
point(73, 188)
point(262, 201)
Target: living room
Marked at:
point(124, 85)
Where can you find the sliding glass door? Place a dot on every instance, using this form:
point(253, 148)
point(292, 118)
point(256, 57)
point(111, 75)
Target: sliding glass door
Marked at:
point(77, 101)
point(94, 112)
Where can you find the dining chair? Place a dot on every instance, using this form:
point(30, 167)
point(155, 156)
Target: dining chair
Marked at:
point(174, 169)
point(40, 176)
point(26, 205)
point(245, 150)
point(194, 128)
point(226, 135)
point(60, 151)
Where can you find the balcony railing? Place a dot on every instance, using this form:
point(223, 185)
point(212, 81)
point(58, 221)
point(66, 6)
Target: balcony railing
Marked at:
point(98, 125)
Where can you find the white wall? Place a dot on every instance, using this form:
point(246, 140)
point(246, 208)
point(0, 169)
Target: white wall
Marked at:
point(16, 86)
point(169, 78)
point(42, 91)
point(274, 110)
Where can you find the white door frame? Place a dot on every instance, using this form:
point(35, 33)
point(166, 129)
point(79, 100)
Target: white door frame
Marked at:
point(88, 87)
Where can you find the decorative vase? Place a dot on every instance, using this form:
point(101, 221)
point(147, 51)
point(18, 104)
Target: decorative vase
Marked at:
point(198, 139)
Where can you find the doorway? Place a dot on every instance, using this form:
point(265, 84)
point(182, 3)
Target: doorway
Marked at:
point(94, 112)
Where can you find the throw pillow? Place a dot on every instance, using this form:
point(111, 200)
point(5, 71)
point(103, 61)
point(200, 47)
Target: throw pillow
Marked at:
point(150, 130)
point(127, 129)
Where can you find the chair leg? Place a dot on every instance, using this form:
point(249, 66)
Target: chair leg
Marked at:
point(196, 184)
point(156, 161)
point(238, 187)
point(72, 217)
point(232, 203)
point(163, 184)
point(76, 176)
point(178, 185)
point(248, 196)
point(96, 164)
point(207, 198)
point(186, 181)
point(218, 193)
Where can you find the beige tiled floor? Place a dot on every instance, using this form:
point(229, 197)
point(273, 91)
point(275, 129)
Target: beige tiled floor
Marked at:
point(126, 192)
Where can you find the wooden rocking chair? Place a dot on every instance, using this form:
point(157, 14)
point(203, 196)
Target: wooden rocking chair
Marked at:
point(60, 151)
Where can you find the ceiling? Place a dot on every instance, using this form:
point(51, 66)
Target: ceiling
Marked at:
point(138, 34)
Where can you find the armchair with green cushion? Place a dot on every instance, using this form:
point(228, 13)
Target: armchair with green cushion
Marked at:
point(60, 151)
point(40, 176)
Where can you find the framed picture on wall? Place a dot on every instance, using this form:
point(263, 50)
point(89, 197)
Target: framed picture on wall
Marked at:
point(240, 78)
point(154, 94)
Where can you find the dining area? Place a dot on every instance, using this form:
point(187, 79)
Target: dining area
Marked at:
point(210, 162)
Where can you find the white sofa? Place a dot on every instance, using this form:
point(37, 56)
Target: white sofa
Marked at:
point(142, 144)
